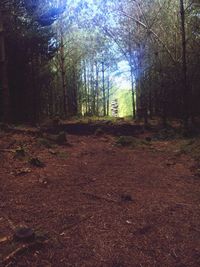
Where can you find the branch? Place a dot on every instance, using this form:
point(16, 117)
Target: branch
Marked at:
point(152, 32)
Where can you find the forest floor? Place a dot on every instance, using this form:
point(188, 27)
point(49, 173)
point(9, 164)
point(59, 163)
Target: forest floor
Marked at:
point(99, 201)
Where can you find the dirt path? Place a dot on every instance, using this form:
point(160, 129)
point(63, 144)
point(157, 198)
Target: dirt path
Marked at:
point(100, 205)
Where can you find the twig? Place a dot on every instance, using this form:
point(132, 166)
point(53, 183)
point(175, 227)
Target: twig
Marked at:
point(14, 253)
point(11, 224)
point(174, 254)
point(99, 197)
point(7, 150)
point(21, 249)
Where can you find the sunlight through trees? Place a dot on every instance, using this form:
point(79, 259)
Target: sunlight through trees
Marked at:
point(63, 57)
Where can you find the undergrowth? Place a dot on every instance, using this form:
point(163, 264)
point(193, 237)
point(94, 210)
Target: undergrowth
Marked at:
point(129, 141)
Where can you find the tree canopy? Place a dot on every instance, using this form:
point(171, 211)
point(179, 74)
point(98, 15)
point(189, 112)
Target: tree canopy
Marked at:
point(63, 58)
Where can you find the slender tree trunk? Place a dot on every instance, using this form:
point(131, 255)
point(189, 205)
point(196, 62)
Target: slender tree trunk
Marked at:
point(85, 87)
point(4, 75)
point(138, 98)
point(97, 90)
point(88, 91)
point(108, 96)
point(74, 92)
point(63, 72)
point(186, 95)
point(132, 75)
point(104, 91)
point(93, 100)
point(133, 92)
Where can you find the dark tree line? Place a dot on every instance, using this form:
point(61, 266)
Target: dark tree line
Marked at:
point(58, 58)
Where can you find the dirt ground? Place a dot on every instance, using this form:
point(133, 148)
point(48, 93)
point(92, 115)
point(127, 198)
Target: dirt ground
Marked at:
point(95, 204)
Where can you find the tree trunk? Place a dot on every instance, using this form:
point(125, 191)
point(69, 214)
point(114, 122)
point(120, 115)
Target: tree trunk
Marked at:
point(97, 90)
point(108, 96)
point(4, 75)
point(184, 67)
point(63, 73)
point(133, 92)
point(85, 88)
point(132, 75)
point(104, 91)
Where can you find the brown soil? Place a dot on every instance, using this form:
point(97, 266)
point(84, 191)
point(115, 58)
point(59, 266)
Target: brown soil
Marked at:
point(95, 204)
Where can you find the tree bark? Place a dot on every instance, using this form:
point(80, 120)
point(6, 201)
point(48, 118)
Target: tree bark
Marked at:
point(4, 75)
point(97, 89)
point(104, 91)
point(186, 94)
point(63, 72)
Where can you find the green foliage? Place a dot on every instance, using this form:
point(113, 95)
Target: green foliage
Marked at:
point(67, 66)
point(124, 98)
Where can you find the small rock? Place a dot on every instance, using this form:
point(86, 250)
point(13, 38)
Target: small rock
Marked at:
point(24, 234)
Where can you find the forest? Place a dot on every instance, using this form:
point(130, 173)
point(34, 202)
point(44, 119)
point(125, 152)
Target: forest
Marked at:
point(63, 57)
point(99, 133)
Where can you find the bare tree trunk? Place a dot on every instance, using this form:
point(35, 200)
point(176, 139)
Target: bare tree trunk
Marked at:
point(132, 76)
point(133, 92)
point(93, 98)
point(63, 72)
point(4, 75)
point(85, 88)
point(186, 94)
point(97, 89)
point(108, 95)
point(104, 91)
